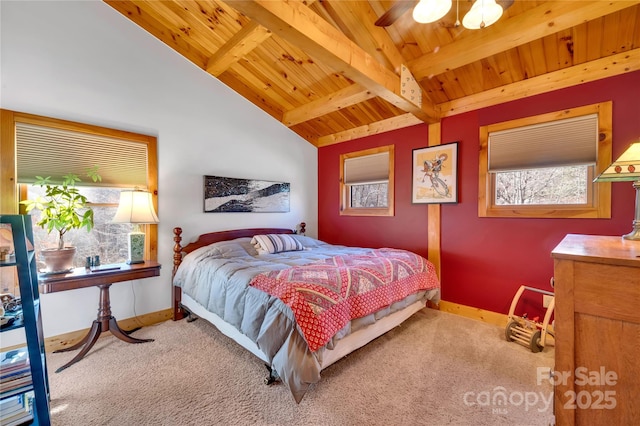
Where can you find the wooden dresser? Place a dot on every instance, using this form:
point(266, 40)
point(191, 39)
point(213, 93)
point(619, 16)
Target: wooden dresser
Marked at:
point(597, 324)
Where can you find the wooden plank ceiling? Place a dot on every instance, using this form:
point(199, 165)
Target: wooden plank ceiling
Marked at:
point(326, 71)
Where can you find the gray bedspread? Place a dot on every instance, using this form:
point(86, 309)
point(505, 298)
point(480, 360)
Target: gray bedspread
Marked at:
point(218, 276)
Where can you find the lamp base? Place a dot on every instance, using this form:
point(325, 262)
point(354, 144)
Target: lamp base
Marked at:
point(635, 234)
point(136, 248)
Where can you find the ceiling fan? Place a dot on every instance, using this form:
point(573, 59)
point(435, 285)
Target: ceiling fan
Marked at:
point(400, 7)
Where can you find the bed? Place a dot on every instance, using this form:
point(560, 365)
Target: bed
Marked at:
point(295, 302)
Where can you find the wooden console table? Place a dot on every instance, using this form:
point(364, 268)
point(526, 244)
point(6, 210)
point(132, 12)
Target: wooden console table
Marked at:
point(597, 324)
point(102, 278)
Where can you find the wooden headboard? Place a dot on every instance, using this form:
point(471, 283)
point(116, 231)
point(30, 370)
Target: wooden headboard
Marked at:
point(204, 240)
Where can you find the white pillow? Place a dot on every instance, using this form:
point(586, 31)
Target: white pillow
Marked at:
point(275, 243)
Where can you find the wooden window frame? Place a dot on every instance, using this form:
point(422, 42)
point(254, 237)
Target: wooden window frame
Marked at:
point(345, 189)
point(598, 194)
point(10, 190)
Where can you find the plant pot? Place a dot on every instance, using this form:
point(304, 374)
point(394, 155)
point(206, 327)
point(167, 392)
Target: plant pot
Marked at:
point(58, 260)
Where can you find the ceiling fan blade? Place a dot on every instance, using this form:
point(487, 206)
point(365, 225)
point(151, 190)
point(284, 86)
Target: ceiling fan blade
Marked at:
point(395, 12)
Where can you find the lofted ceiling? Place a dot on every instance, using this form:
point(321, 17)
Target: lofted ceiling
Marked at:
point(325, 69)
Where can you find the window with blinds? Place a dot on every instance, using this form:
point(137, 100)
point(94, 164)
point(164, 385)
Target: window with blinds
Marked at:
point(568, 142)
point(48, 147)
point(49, 151)
point(544, 166)
point(366, 182)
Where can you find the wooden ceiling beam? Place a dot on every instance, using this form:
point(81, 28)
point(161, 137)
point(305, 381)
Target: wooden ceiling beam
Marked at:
point(548, 18)
point(243, 42)
point(610, 66)
point(394, 123)
point(374, 40)
point(357, 19)
point(336, 101)
point(298, 24)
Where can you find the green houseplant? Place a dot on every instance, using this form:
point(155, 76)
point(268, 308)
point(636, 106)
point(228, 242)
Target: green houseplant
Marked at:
point(62, 208)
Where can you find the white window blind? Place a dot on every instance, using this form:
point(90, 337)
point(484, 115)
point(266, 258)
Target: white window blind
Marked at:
point(372, 168)
point(565, 142)
point(47, 151)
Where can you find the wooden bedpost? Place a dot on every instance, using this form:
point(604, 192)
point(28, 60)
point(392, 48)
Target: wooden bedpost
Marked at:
point(177, 250)
point(178, 313)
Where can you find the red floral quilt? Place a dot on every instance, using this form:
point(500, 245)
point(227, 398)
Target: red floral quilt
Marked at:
point(327, 294)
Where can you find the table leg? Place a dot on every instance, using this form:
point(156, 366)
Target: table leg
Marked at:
point(109, 322)
point(79, 344)
point(104, 322)
point(115, 330)
point(91, 338)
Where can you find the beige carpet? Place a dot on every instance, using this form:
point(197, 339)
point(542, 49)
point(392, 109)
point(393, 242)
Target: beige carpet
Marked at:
point(435, 369)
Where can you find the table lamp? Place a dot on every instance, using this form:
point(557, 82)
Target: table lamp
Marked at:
point(627, 168)
point(135, 207)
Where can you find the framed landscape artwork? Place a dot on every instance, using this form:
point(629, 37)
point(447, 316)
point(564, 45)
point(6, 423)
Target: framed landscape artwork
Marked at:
point(225, 195)
point(435, 174)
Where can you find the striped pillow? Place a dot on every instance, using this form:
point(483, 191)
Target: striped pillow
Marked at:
point(275, 243)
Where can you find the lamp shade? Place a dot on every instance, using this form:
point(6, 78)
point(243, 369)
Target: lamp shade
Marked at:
point(625, 168)
point(135, 207)
point(427, 11)
point(482, 14)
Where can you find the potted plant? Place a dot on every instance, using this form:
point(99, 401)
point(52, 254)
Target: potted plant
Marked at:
point(63, 208)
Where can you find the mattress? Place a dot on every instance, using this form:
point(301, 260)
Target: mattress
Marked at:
point(218, 279)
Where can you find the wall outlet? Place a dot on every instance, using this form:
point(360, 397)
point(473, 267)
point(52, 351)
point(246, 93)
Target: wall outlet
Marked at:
point(546, 300)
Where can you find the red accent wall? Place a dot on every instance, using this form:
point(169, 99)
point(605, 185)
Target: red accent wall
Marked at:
point(484, 260)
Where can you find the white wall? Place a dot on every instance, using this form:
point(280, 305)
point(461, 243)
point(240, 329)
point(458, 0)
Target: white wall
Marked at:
point(83, 61)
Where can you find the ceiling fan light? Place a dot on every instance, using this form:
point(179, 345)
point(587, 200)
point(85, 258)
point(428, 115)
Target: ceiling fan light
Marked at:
point(427, 11)
point(482, 14)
